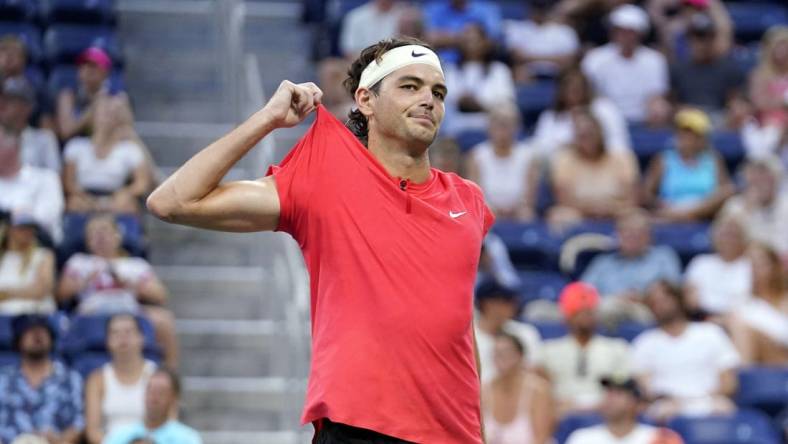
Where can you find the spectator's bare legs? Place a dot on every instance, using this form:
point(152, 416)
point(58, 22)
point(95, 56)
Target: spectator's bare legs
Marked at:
point(164, 323)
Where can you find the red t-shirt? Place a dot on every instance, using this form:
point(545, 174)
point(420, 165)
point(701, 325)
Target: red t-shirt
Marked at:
point(392, 267)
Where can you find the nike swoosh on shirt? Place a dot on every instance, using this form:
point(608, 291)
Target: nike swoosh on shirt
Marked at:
point(454, 215)
point(415, 54)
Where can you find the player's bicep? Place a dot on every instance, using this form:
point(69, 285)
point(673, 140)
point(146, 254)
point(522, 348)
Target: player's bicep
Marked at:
point(241, 206)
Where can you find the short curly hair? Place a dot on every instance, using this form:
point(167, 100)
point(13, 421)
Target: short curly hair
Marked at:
point(357, 122)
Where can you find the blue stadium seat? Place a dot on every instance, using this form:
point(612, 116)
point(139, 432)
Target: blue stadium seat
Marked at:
point(85, 363)
point(468, 139)
point(646, 142)
point(533, 99)
point(763, 388)
point(573, 422)
point(513, 9)
point(743, 427)
point(627, 331)
point(752, 18)
point(79, 11)
point(687, 239)
point(8, 358)
point(74, 235)
point(730, 147)
point(88, 334)
point(530, 245)
point(544, 195)
point(6, 333)
point(18, 11)
point(545, 285)
point(65, 76)
point(550, 329)
point(63, 43)
point(29, 35)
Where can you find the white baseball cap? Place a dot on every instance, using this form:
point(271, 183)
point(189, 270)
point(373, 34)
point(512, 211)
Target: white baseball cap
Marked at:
point(630, 17)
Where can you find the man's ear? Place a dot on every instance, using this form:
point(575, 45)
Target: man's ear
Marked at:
point(364, 98)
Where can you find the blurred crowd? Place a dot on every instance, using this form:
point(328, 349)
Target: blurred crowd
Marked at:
point(87, 346)
point(553, 108)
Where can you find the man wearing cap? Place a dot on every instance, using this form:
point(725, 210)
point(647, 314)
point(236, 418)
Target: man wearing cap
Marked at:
point(633, 76)
point(39, 145)
point(75, 108)
point(689, 182)
point(622, 402)
point(705, 79)
point(575, 362)
point(391, 245)
point(29, 189)
point(39, 396)
point(498, 306)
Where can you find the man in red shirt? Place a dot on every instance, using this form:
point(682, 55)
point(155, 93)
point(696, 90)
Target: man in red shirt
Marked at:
point(391, 245)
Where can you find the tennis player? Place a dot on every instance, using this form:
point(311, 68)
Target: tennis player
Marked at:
point(391, 246)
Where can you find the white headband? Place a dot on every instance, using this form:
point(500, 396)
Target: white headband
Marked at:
point(395, 59)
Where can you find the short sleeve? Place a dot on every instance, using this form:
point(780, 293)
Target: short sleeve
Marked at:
point(640, 358)
point(725, 352)
point(73, 149)
point(132, 153)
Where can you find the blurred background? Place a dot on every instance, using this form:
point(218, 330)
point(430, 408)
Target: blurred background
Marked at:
point(637, 147)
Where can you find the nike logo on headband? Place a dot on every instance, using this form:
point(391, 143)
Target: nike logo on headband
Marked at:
point(415, 54)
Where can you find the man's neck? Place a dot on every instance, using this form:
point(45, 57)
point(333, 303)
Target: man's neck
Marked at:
point(675, 327)
point(627, 52)
point(36, 371)
point(621, 428)
point(583, 338)
point(400, 162)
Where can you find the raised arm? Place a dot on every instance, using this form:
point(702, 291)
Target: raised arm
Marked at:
point(193, 194)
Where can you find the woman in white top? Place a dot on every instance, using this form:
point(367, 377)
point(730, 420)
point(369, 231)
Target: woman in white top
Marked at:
point(759, 328)
point(507, 170)
point(27, 271)
point(517, 404)
point(108, 171)
point(115, 392)
point(721, 282)
point(477, 84)
point(555, 127)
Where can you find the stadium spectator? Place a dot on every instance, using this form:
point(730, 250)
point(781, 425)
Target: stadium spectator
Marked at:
point(368, 24)
point(108, 171)
point(40, 395)
point(589, 180)
point(587, 17)
point(161, 400)
point(39, 145)
point(575, 362)
point(495, 264)
point(706, 79)
point(115, 392)
point(478, 83)
point(769, 80)
point(721, 282)
point(673, 22)
point(760, 327)
point(448, 19)
point(75, 109)
point(762, 206)
point(554, 128)
point(624, 276)
point(445, 155)
point(683, 367)
point(630, 74)
point(28, 189)
point(540, 46)
point(411, 23)
point(105, 280)
point(506, 169)
point(620, 408)
point(27, 270)
point(13, 57)
point(517, 405)
point(689, 182)
point(498, 306)
point(331, 72)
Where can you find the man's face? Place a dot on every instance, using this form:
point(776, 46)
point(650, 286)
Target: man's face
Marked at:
point(634, 236)
point(702, 47)
point(499, 309)
point(661, 303)
point(584, 321)
point(627, 39)
point(619, 404)
point(15, 112)
point(728, 239)
point(35, 343)
point(12, 61)
point(409, 106)
point(159, 396)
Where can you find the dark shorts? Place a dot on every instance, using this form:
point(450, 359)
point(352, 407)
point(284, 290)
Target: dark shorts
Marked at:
point(338, 433)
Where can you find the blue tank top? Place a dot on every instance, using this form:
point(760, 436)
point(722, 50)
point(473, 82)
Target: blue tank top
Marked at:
point(685, 184)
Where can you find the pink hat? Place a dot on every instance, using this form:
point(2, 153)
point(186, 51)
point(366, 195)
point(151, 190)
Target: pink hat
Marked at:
point(701, 4)
point(576, 297)
point(96, 56)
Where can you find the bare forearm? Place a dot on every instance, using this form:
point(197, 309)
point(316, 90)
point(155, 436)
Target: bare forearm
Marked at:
point(202, 173)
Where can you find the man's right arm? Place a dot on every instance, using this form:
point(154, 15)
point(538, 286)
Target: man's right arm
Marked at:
point(194, 196)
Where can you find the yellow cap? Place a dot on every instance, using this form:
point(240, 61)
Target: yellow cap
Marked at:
point(694, 120)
